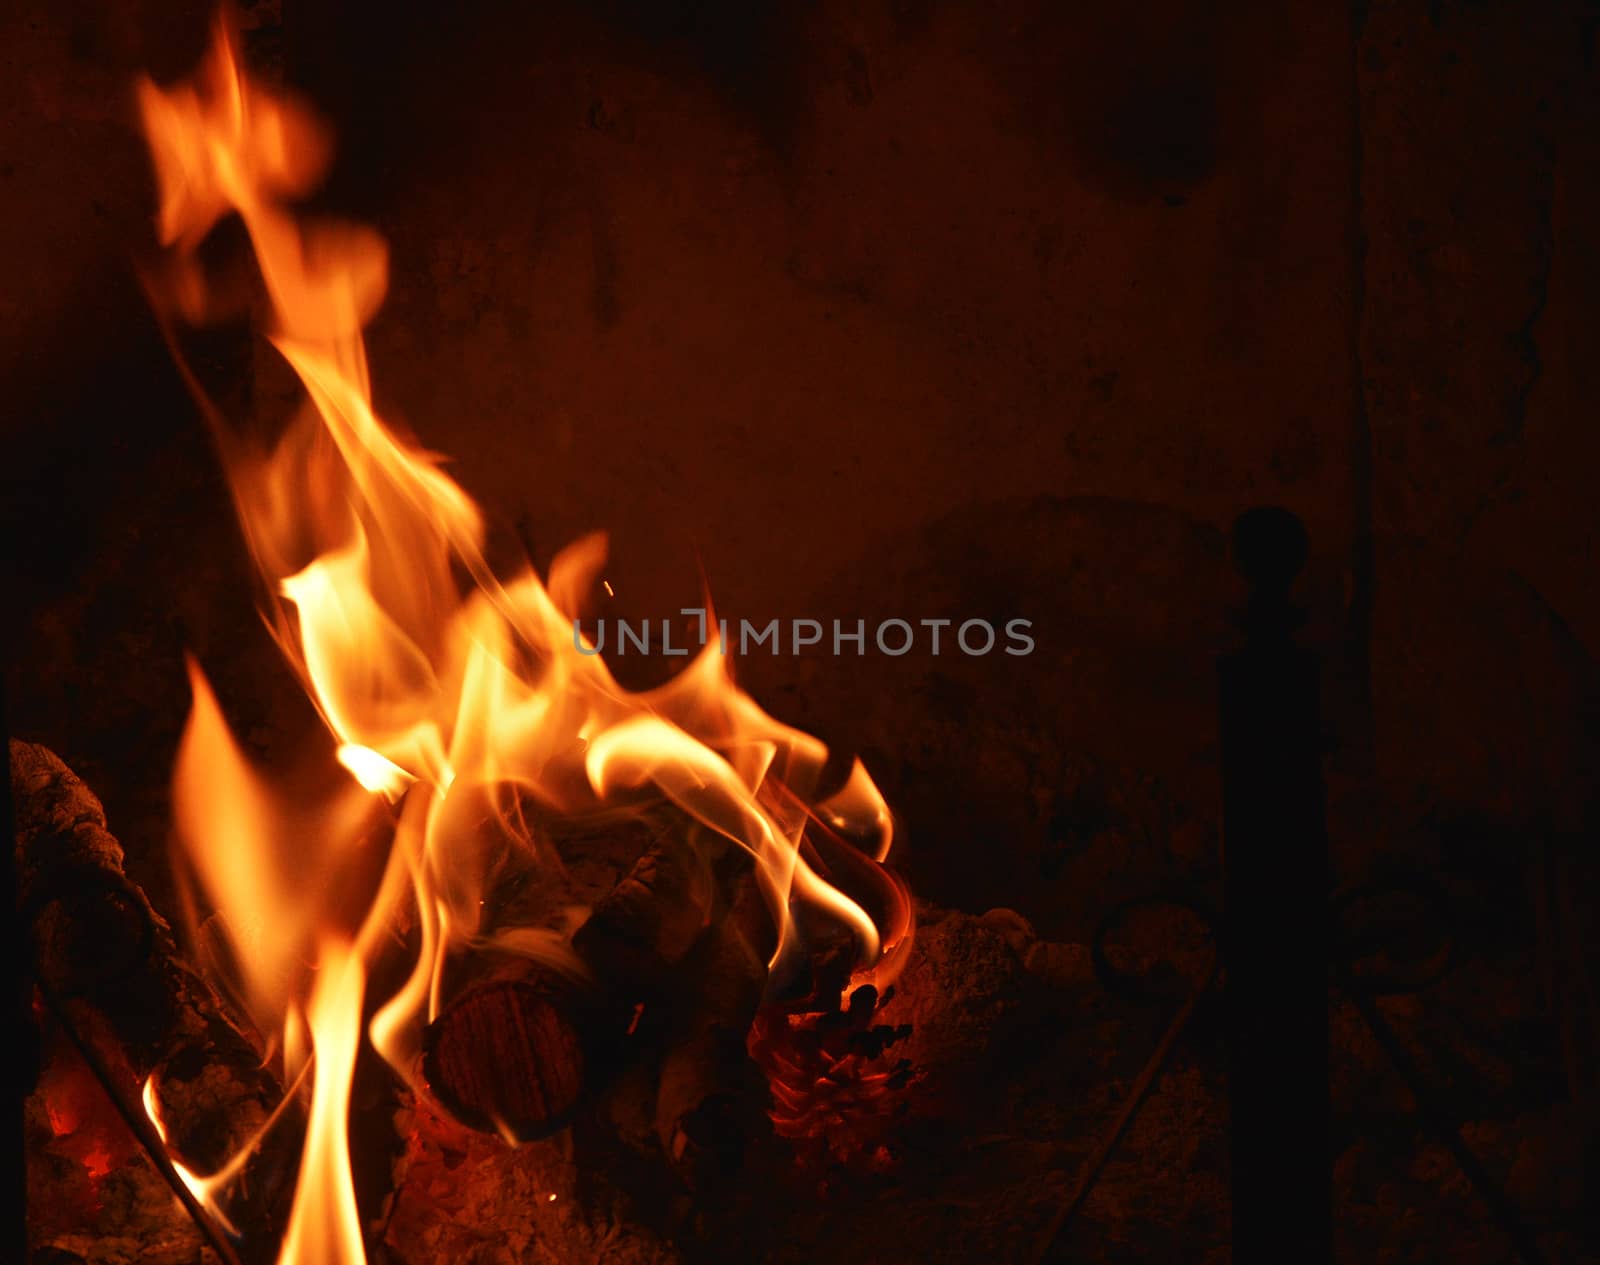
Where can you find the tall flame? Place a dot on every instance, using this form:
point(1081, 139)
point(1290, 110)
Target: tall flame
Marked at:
point(441, 696)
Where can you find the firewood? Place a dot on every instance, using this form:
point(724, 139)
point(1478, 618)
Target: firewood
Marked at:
point(645, 925)
point(513, 1047)
point(711, 1097)
point(107, 955)
point(89, 927)
point(507, 1055)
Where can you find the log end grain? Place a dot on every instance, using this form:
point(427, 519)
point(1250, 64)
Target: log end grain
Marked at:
point(507, 1057)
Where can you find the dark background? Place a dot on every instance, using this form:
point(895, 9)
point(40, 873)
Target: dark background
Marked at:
point(919, 309)
point(908, 309)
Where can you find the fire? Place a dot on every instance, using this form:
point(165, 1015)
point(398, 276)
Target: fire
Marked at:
point(205, 1189)
point(324, 1225)
point(444, 685)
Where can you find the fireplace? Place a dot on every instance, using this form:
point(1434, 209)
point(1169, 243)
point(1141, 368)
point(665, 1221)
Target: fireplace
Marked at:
point(636, 636)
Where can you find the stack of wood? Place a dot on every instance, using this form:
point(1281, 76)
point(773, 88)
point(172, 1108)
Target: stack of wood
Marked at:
point(670, 968)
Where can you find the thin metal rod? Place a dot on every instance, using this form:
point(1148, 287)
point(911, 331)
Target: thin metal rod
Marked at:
point(1089, 1174)
point(1437, 1118)
point(143, 1129)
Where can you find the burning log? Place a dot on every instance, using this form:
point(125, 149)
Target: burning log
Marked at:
point(710, 1098)
point(512, 1050)
point(516, 1049)
point(113, 965)
point(508, 1054)
point(647, 923)
point(90, 926)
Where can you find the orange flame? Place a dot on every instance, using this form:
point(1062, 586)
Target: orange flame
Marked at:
point(324, 1225)
point(439, 700)
point(205, 1189)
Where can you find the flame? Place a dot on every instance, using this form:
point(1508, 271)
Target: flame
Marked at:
point(324, 1225)
point(445, 687)
point(204, 1189)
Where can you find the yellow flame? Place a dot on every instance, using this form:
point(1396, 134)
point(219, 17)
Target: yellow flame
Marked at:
point(324, 1226)
point(377, 774)
point(204, 1189)
point(443, 685)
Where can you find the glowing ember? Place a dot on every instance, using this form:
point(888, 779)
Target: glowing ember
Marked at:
point(84, 1127)
point(428, 686)
point(837, 1091)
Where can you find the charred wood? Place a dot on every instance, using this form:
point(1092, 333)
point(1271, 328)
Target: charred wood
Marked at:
point(113, 966)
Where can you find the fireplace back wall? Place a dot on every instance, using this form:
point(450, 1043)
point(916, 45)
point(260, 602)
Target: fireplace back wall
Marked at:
point(901, 310)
